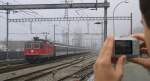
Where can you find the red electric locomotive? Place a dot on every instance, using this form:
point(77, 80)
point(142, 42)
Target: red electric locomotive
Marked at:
point(38, 49)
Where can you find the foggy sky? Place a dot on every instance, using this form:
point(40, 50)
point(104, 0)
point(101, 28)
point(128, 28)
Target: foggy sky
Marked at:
point(122, 28)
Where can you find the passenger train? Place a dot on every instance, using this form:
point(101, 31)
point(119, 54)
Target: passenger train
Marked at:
point(40, 50)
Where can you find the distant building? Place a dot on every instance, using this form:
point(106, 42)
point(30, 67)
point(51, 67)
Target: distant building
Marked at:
point(2, 47)
point(12, 45)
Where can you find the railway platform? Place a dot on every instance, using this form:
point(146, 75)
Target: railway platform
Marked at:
point(133, 72)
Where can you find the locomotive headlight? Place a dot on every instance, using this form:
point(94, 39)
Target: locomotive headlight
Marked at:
point(32, 51)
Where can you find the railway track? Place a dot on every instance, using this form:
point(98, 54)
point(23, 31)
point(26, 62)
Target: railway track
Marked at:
point(84, 69)
point(13, 67)
point(79, 75)
point(11, 62)
point(41, 72)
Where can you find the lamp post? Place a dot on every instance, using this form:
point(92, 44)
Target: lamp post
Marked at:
point(7, 32)
point(54, 41)
point(114, 13)
point(98, 23)
point(7, 38)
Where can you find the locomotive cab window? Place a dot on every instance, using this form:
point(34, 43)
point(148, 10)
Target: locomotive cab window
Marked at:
point(36, 45)
point(28, 45)
point(41, 45)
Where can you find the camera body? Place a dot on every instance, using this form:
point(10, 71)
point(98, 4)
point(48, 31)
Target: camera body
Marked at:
point(126, 46)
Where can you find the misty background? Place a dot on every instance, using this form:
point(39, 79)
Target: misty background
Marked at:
point(22, 31)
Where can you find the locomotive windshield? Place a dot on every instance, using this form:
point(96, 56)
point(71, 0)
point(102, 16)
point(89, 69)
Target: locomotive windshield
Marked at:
point(33, 45)
point(36, 45)
point(28, 45)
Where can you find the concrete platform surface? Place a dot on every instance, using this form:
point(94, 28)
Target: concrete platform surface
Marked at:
point(134, 72)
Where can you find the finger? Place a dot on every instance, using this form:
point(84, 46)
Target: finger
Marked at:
point(109, 48)
point(142, 45)
point(144, 51)
point(106, 51)
point(141, 61)
point(120, 65)
point(101, 54)
point(139, 36)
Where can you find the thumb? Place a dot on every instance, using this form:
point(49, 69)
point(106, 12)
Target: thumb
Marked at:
point(139, 36)
point(120, 65)
point(141, 61)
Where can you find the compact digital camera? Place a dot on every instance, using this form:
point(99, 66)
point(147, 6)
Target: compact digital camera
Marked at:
point(126, 46)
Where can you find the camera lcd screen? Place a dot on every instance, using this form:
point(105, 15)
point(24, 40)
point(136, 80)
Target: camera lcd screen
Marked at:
point(123, 47)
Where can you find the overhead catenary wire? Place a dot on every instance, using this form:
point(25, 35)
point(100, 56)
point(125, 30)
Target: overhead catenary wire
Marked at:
point(30, 12)
point(33, 12)
point(3, 17)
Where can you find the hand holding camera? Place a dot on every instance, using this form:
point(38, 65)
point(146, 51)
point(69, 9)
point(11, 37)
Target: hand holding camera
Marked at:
point(139, 60)
point(103, 68)
point(134, 49)
point(126, 46)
